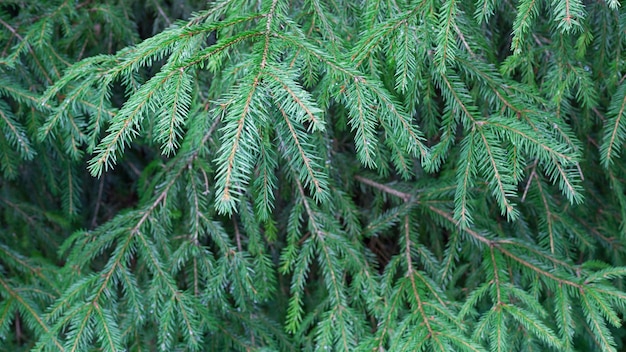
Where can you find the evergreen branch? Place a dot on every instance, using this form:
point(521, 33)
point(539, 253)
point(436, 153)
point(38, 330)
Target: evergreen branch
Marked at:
point(215, 8)
point(547, 208)
point(501, 339)
point(527, 10)
point(603, 308)
point(156, 47)
point(459, 96)
point(195, 221)
point(539, 270)
point(606, 274)
point(446, 140)
point(393, 304)
point(417, 339)
point(613, 4)
point(504, 251)
point(27, 213)
point(406, 66)
point(392, 114)
point(530, 248)
point(174, 109)
point(401, 126)
point(71, 294)
point(485, 323)
point(132, 294)
point(78, 335)
point(431, 286)
point(504, 188)
point(464, 41)
point(572, 190)
point(410, 275)
point(15, 132)
point(402, 162)
point(72, 190)
point(530, 138)
point(450, 257)
point(19, 49)
point(563, 314)
point(175, 295)
point(98, 107)
point(304, 160)
point(162, 13)
point(31, 310)
point(267, 181)
point(269, 17)
point(8, 159)
point(387, 220)
point(7, 312)
point(425, 95)
point(377, 36)
point(568, 13)
point(534, 325)
point(461, 342)
point(161, 198)
point(232, 169)
point(602, 335)
point(300, 97)
point(18, 262)
point(328, 265)
point(496, 280)
point(615, 128)
point(295, 308)
point(616, 295)
point(445, 52)
point(328, 32)
point(220, 47)
point(465, 174)
point(363, 122)
point(579, 234)
point(100, 114)
point(109, 330)
point(11, 29)
point(504, 91)
point(125, 125)
point(484, 10)
point(19, 94)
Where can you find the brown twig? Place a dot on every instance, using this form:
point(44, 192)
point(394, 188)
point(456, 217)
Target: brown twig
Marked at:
point(404, 196)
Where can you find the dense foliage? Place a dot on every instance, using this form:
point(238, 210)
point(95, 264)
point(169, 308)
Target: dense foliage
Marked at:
point(378, 175)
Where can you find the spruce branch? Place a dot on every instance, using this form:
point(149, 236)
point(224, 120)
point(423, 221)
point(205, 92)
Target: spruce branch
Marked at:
point(326, 176)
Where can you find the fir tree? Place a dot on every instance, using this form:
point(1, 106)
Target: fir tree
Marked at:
point(312, 175)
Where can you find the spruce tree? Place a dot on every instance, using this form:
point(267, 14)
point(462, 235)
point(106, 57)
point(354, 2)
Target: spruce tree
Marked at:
point(273, 175)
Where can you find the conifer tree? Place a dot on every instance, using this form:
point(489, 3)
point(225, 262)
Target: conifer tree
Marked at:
point(273, 175)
